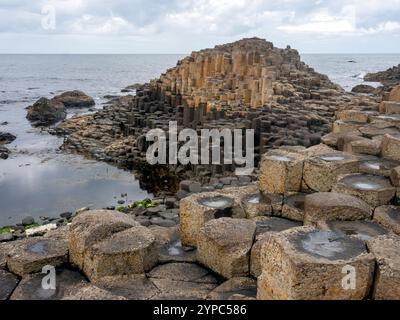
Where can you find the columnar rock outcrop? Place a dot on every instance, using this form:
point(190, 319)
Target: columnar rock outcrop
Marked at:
point(248, 84)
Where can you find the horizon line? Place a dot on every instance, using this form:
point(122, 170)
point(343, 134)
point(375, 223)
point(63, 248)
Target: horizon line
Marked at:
point(91, 53)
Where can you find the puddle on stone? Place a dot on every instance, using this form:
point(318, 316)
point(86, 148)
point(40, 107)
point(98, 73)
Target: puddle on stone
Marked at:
point(366, 182)
point(280, 158)
point(329, 245)
point(363, 230)
point(175, 248)
point(394, 214)
point(332, 157)
point(217, 202)
point(255, 199)
point(365, 186)
point(39, 247)
point(275, 224)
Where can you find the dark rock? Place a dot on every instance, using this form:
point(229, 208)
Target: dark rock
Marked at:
point(8, 282)
point(75, 99)
point(6, 138)
point(4, 153)
point(363, 88)
point(45, 112)
point(66, 215)
point(28, 220)
point(182, 194)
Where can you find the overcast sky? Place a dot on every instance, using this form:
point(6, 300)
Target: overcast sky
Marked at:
point(181, 26)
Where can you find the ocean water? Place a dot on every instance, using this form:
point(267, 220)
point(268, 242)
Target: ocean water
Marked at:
point(40, 180)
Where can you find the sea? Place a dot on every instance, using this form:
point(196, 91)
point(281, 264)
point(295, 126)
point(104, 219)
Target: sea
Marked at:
point(38, 179)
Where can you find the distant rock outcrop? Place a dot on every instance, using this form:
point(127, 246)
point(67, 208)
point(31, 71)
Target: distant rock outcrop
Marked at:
point(75, 99)
point(363, 88)
point(45, 112)
point(248, 84)
point(390, 77)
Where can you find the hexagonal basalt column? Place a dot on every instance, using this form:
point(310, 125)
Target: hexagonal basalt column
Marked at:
point(132, 251)
point(266, 225)
point(32, 254)
point(320, 173)
point(293, 207)
point(107, 243)
point(280, 172)
point(93, 226)
point(391, 146)
point(361, 229)
point(305, 263)
point(224, 245)
point(387, 278)
point(389, 217)
point(198, 209)
point(374, 190)
point(255, 205)
point(334, 206)
point(340, 126)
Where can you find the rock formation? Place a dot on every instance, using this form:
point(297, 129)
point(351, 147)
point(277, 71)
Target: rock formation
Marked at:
point(45, 112)
point(242, 85)
point(390, 77)
point(322, 222)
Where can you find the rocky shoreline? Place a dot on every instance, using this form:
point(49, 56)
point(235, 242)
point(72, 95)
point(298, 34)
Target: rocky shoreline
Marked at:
point(324, 199)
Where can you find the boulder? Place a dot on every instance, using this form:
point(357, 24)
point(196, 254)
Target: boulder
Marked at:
point(75, 99)
point(374, 190)
point(46, 112)
point(306, 264)
point(4, 152)
point(389, 217)
point(224, 246)
point(334, 206)
point(363, 88)
point(280, 172)
point(387, 278)
point(320, 173)
point(30, 255)
point(6, 138)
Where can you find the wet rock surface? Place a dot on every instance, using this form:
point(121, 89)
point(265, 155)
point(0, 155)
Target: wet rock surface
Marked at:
point(46, 112)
